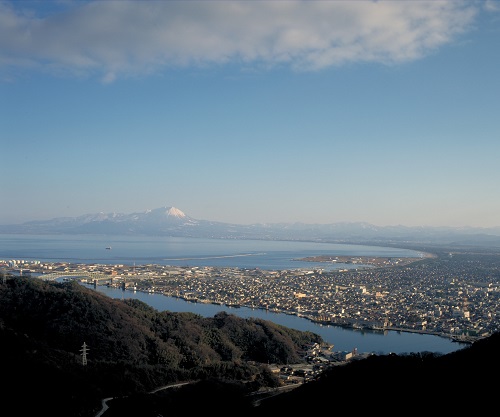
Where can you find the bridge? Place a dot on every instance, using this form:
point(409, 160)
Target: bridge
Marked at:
point(89, 275)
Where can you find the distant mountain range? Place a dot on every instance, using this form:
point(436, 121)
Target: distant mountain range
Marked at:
point(170, 221)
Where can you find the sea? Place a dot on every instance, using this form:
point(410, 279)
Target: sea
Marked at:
point(181, 251)
point(231, 253)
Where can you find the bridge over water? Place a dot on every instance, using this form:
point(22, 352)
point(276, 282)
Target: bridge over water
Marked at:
point(98, 277)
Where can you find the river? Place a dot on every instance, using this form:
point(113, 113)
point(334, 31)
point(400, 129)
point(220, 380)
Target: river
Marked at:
point(343, 339)
point(263, 254)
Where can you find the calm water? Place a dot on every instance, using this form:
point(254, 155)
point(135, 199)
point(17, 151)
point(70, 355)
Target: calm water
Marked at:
point(179, 251)
point(342, 339)
point(225, 253)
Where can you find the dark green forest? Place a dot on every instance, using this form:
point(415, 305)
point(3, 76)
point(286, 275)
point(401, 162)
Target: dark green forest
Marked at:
point(133, 350)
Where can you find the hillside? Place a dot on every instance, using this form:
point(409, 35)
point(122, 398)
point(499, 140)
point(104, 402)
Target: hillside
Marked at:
point(130, 348)
point(134, 349)
point(458, 383)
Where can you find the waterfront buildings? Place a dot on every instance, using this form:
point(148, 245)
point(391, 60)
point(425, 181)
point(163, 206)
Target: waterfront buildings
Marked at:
point(455, 297)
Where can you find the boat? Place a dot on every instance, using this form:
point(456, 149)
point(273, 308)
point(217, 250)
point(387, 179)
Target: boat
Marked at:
point(108, 248)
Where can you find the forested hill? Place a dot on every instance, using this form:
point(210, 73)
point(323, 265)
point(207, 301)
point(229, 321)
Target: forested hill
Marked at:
point(459, 383)
point(130, 348)
point(134, 349)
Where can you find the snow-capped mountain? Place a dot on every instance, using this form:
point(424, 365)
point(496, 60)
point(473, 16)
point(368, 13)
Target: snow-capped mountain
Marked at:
point(175, 212)
point(171, 221)
point(160, 221)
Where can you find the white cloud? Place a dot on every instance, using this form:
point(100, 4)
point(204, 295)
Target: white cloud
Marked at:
point(120, 38)
point(492, 6)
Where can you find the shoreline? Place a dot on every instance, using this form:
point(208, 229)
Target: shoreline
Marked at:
point(347, 323)
point(350, 326)
point(367, 261)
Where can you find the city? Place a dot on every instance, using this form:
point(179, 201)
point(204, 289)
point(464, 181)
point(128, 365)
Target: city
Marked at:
point(454, 295)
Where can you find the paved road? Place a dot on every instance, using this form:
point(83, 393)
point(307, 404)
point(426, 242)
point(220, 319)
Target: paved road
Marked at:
point(105, 400)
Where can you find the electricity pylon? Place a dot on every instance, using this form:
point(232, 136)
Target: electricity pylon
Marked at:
point(84, 351)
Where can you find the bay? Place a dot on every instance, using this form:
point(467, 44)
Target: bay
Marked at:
point(268, 255)
point(180, 251)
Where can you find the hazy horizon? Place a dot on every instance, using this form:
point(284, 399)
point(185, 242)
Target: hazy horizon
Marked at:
point(244, 224)
point(314, 112)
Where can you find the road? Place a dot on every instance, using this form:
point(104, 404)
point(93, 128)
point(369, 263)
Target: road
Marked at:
point(105, 400)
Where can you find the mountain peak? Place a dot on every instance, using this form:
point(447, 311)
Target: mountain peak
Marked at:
point(175, 212)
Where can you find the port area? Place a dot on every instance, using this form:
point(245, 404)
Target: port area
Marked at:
point(369, 261)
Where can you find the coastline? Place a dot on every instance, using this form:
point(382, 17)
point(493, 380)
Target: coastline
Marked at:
point(150, 277)
point(355, 326)
point(367, 261)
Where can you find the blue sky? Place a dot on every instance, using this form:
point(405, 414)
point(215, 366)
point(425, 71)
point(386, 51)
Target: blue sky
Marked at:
point(386, 112)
